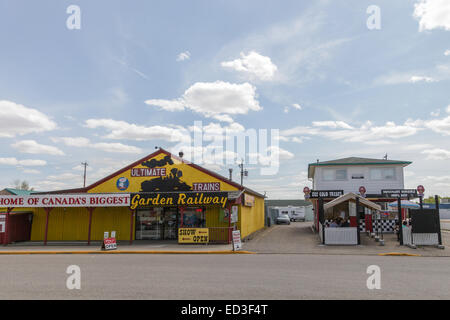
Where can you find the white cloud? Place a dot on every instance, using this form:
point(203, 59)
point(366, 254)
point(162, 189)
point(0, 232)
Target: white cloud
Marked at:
point(339, 130)
point(31, 171)
point(16, 119)
point(131, 131)
point(103, 146)
point(214, 98)
point(332, 124)
point(441, 126)
point(31, 146)
point(25, 163)
point(415, 79)
point(295, 106)
point(437, 154)
point(73, 141)
point(447, 52)
point(184, 56)
point(432, 14)
point(435, 113)
point(253, 64)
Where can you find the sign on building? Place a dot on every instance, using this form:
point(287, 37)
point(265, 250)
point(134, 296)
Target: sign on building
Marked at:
point(193, 235)
point(315, 194)
point(399, 193)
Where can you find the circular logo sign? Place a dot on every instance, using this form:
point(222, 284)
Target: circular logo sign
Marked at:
point(421, 189)
point(362, 190)
point(306, 190)
point(122, 183)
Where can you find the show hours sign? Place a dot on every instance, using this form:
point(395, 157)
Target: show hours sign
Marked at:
point(193, 235)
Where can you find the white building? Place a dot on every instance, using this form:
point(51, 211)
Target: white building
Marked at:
point(349, 174)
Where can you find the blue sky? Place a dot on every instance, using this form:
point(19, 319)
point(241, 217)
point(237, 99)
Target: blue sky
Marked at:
point(137, 75)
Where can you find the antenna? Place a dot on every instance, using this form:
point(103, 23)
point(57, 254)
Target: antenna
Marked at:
point(85, 164)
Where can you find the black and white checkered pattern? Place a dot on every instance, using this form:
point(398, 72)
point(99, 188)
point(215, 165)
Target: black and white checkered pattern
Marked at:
point(386, 225)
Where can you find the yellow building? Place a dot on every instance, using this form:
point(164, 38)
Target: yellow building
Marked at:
point(166, 193)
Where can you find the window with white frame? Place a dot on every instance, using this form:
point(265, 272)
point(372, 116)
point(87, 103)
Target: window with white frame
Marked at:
point(334, 174)
point(382, 174)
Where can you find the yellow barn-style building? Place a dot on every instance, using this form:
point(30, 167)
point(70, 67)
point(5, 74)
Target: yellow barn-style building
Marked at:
point(166, 193)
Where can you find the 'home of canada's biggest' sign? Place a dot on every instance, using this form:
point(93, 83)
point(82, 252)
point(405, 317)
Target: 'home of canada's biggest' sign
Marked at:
point(66, 200)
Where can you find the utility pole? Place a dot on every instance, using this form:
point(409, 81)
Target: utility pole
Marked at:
point(243, 172)
point(85, 164)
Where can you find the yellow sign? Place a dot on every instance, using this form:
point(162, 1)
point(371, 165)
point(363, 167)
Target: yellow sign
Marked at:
point(249, 200)
point(193, 235)
point(162, 173)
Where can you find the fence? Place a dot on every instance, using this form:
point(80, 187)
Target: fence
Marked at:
point(341, 236)
point(220, 234)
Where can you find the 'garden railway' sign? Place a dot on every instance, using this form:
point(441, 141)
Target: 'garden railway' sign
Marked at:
point(65, 200)
point(193, 235)
point(315, 194)
point(139, 200)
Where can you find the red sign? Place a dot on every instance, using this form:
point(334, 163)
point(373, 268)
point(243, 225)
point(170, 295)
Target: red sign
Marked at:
point(109, 244)
point(421, 189)
point(306, 190)
point(362, 190)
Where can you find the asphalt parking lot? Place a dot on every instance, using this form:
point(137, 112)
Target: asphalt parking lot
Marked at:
point(298, 237)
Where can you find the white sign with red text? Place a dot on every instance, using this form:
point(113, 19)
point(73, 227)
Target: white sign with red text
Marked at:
point(237, 244)
point(65, 200)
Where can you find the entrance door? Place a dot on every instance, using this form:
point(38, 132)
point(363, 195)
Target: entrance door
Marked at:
point(170, 224)
point(149, 224)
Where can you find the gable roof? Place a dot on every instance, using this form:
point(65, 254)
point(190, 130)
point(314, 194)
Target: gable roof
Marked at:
point(351, 196)
point(18, 192)
point(355, 161)
point(159, 151)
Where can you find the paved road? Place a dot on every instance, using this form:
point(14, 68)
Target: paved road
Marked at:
point(260, 276)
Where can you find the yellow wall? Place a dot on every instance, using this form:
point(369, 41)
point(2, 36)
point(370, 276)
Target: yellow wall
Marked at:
point(71, 224)
point(251, 218)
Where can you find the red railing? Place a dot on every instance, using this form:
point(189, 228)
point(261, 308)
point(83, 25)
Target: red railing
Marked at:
point(220, 234)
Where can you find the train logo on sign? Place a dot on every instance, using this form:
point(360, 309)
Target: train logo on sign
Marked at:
point(122, 183)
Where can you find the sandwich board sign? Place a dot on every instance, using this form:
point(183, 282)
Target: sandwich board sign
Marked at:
point(109, 243)
point(237, 244)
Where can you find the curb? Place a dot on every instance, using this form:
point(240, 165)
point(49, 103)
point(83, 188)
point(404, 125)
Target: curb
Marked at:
point(400, 254)
point(124, 252)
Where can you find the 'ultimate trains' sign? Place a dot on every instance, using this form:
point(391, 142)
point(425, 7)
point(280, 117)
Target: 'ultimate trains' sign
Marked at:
point(66, 200)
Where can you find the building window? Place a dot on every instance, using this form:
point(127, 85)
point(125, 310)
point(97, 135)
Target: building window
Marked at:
point(382, 174)
point(334, 175)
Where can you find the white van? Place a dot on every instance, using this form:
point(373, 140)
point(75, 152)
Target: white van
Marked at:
point(295, 213)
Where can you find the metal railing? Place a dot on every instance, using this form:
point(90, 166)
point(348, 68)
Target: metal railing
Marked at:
point(220, 234)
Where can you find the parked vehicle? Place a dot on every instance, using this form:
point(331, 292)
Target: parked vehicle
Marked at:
point(297, 214)
point(283, 218)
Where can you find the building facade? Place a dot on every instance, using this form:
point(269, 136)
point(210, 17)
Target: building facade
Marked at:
point(379, 180)
point(165, 193)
